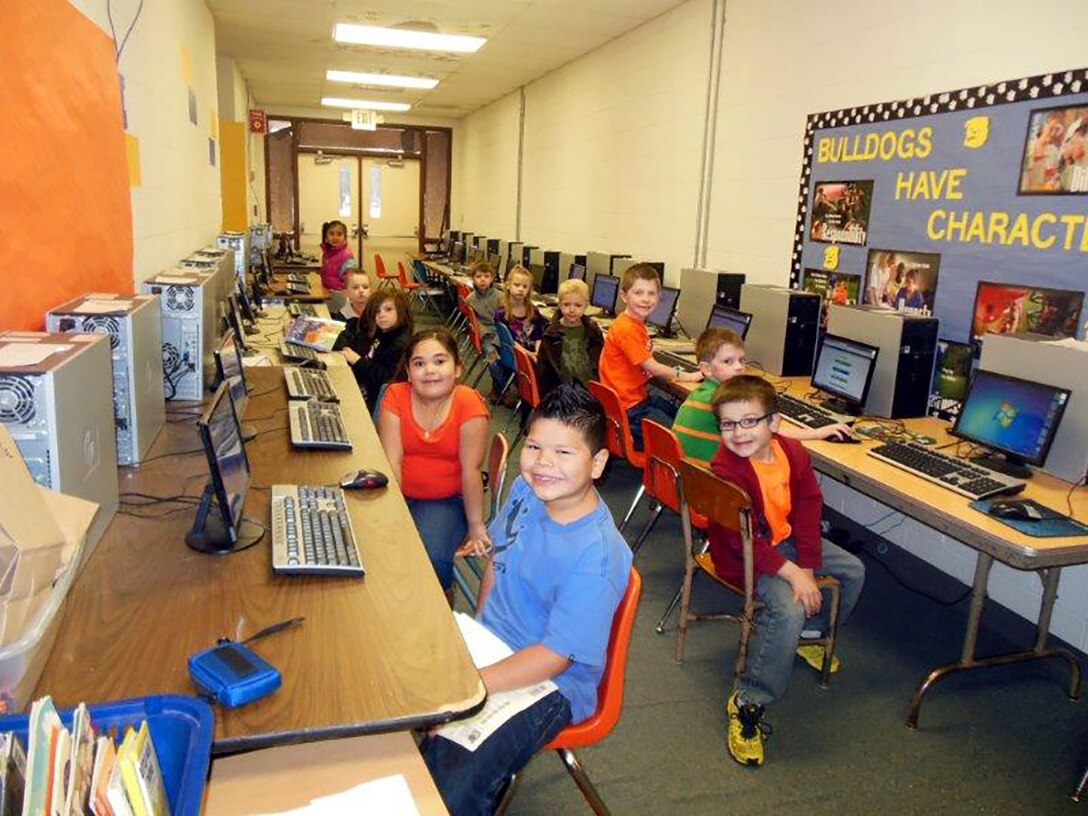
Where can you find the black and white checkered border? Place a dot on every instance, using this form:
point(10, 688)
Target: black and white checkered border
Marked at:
point(1041, 86)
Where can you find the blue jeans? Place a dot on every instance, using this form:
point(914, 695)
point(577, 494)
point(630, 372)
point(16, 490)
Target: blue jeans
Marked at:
point(653, 407)
point(442, 526)
point(779, 624)
point(470, 781)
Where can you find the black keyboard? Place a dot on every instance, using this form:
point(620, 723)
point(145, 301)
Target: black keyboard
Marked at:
point(675, 360)
point(301, 310)
point(312, 533)
point(305, 383)
point(297, 351)
point(805, 414)
point(958, 475)
point(298, 288)
point(317, 424)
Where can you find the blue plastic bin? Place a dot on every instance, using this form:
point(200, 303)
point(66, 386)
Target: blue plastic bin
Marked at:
point(181, 730)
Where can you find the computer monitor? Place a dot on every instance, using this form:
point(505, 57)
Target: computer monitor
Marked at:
point(219, 526)
point(577, 272)
point(844, 369)
point(234, 319)
point(661, 317)
point(605, 290)
point(722, 317)
point(228, 365)
point(1013, 417)
point(537, 271)
point(457, 254)
point(248, 312)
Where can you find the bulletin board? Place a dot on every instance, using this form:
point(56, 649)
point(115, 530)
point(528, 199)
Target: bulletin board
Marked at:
point(924, 199)
point(67, 208)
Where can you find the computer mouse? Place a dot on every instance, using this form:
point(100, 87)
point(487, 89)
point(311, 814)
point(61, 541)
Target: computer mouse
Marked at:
point(1015, 509)
point(364, 479)
point(843, 440)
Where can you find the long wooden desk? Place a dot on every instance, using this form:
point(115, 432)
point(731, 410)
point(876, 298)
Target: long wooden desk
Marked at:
point(317, 294)
point(375, 654)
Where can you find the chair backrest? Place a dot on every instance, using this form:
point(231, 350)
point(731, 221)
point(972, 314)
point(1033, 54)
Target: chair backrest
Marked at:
point(473, 326)
point(610, 689)
point(619, 429)
point(721, 501)
point(463, 290)
point(527, 385)
point(506, 346)
point(402, 274)
point(379, 266)
point(663, 455)
point(419, 272)
point(496, 470)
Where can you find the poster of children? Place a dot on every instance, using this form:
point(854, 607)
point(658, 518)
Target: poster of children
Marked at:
point(840, 288)
point(906, 281)
point(1009, 308)
point(840, 211)
point(1055, 152)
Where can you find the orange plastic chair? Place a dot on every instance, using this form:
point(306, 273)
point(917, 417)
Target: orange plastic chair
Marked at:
point(660, 476)
point(609, 703)
point(528, 389)
point(475, 342)
point(497, 456)
point(384, 276)
point(619, 441)
point(408, 286)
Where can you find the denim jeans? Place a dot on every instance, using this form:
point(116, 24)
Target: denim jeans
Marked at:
point(779, 624)
point(442, 526)
point(654, 407)
point(470, 781)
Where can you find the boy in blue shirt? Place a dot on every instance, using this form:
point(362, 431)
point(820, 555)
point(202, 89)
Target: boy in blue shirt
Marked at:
point(557, 573)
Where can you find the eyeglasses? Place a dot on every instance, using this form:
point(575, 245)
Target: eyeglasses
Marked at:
point(727, 425)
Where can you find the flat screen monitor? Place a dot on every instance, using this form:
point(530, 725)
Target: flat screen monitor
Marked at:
point(537, 271)
point(244, 302)
point(605, 290)
point(1016, 418)
point(234, 319)
point(457, 254)
point(219, 526)
point(228, 364)
point(577, 272)
point(844, 369)
point(723, 317)
point(661, 316)
point(1011, 308)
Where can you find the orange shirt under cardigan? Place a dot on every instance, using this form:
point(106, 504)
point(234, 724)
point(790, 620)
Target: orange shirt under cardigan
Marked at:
point(431, 467)
point(626, 347)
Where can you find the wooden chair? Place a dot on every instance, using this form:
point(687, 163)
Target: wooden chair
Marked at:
point(609, 704)
point(619, 441)
point(385, 277)
point(724, 503)
point(497, 456)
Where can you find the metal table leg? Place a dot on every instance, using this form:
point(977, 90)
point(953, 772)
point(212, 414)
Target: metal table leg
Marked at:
point(1050, 578)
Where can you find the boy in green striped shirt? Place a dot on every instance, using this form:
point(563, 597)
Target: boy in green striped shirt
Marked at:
point(720, 353)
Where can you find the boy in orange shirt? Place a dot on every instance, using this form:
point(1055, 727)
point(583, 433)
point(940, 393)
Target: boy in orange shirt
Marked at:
point(627, 361)
point(789, 554)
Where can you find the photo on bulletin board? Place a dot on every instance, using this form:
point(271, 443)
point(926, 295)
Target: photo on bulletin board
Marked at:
point(952, 371)
point(1010, 308)
point(836, 288)
point(902, 280)
point(1055, 159)
point(840, 212)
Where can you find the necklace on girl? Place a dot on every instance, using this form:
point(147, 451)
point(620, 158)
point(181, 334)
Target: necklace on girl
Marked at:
point(433, 421)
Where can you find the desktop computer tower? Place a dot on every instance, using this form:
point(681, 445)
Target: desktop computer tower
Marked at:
point(526, 254)
point(56, 402)
point(566, 259)
point(600, 263)
point(190, 330)
point(134, 327)
point(700, 291)
point(455, 236)
point(493, 246)
point(549, 259)
point(512, 255)
point(904, 366)
point(239, 242)
point(782, 337)
point(621, 265)
point(1062, 364)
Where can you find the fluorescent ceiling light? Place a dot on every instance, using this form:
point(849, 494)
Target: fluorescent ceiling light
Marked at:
point(386, 80)
point(363, 104)
point(405, 38)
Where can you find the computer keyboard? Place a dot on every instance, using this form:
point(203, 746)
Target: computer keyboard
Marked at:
point(301, 310)
point(806, 414)
point(312, 533)
point(675, 345)
point(296, 351)
point(297, 278)
point(958, 475)
point(298, 288)
point(317, 424)
point(305, 383)
point(685, 362)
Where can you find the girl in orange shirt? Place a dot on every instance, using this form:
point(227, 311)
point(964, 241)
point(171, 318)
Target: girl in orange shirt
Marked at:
point(434, 432)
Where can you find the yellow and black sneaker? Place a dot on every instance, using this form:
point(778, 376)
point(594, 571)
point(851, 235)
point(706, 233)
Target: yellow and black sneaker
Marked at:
point(813, 654)
point(747, 731)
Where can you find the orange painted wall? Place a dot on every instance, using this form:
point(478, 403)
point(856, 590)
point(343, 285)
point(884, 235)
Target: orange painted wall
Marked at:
point(65, 206)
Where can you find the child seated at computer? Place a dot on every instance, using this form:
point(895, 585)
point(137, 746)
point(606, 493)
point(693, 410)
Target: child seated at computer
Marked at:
point(356, 294)
point(336, 255)
point(720, 353)
point(627, 360)
point(434, 432)
point(789, 554)
point(558, 572)
point(572, 341)
point(517, 312)
point(375, 354)
point(484, 299)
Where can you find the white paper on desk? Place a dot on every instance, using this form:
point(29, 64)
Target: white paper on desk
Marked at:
point(18, 354)
point(389, 796)
point(486, 649)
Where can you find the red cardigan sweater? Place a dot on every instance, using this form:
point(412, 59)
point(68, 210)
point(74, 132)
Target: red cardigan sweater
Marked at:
point(805, 513)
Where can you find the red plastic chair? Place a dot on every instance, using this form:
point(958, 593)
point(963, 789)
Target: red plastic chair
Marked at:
point(475, 342)
point(619, 440)
point(528, 389)
point(660, 476)
point(609, 703)
point(384, 275)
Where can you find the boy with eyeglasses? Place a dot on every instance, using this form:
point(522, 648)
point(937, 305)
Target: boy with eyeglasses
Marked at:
point(789, 554)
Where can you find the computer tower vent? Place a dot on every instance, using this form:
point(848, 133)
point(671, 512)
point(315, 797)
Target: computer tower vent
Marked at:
point(104, 324)
point(171, 358)
point(179, 298)
point(16, 400)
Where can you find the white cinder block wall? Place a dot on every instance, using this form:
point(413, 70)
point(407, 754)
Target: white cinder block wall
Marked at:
point(613, 147)
point(176, 209)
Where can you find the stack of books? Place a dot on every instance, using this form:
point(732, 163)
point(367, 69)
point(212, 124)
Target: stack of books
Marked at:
point(81, 771)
